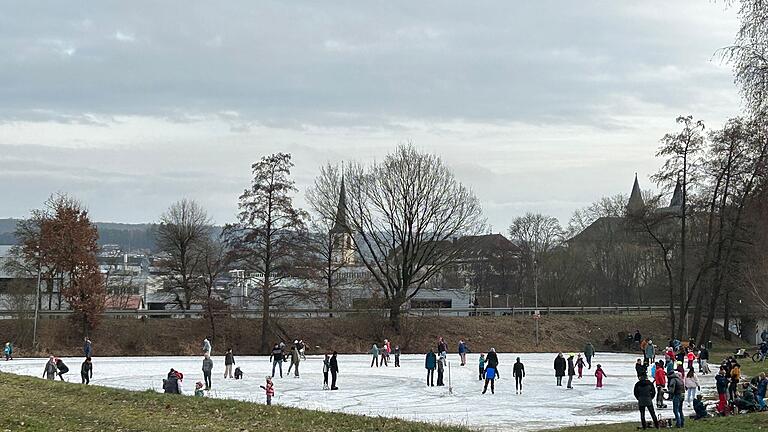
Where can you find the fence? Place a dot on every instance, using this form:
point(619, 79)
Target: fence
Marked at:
point(324, 313)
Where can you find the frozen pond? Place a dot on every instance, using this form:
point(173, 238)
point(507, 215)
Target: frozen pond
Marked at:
point(397, 392)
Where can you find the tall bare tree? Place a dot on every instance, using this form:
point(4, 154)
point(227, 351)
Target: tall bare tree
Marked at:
point(537, 235)
point(264, 239)
point(184, 228)
point(403, 214)
point(211, 264)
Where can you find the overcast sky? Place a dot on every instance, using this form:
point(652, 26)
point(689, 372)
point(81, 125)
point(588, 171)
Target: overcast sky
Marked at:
point(539, 106)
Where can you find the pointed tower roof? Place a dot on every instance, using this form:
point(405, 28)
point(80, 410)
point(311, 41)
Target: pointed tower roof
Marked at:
point(340, 223)
point(636, 203)
point(677, 196)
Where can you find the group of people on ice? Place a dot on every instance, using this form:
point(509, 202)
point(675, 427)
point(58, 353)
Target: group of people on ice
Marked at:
point(56, 367)
point(380, 356)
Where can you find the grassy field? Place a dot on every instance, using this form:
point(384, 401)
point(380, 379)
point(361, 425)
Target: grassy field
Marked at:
point(31, 404)
point(740, 423)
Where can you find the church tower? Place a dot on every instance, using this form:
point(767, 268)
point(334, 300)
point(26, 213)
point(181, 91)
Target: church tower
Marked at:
point(343, 248)
point(636, 205)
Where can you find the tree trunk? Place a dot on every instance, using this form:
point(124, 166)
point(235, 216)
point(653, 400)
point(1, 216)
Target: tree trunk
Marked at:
point(211, 318)
point(727, 316)
point(394, 316)
point(264, 345)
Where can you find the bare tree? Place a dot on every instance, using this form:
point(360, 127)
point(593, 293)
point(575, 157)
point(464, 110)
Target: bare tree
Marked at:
point(265, 238)
point(403, 214)
point(183, 229)
point(211, 264)
point(610, 206)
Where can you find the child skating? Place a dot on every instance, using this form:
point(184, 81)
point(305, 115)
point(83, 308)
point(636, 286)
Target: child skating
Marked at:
point(481, 374)
point(600, 374)
point(580, 365)
point(269, 389)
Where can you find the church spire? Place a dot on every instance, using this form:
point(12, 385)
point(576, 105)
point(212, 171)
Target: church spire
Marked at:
point(677, 196)
point(340, 222)
point(635, 205)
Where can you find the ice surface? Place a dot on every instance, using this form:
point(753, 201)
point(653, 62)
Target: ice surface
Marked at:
point(397, 392)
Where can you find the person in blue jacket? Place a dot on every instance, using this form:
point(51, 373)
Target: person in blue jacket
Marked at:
point(463, 352)
point(87, 347)
point(490, 376)
point(431, 364)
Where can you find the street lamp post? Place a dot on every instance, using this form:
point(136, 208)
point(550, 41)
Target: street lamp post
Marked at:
point(536, 299)
point(37, 301)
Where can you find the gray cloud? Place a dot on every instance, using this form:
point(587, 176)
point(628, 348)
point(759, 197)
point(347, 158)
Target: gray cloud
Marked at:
point(538, 105)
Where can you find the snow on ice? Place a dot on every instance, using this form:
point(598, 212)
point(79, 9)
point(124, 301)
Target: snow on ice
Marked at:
point(397, 392)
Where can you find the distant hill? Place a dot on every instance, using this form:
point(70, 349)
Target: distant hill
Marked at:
point(128, 236)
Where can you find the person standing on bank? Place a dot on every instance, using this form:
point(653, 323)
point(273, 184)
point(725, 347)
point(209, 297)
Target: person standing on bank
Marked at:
point(86, 371)
point(518, 370)
point(87, 347)
point(50, 369)
point(560, 366)
point(207, 370)
point(229, 361)
point(644, 393)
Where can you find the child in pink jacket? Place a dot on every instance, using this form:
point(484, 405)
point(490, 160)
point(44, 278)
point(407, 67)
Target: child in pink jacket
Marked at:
point(600, 373)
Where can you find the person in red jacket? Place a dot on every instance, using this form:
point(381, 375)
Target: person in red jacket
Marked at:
point(269, 389)
point(660, 379)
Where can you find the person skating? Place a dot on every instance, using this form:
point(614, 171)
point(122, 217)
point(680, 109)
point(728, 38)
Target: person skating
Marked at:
point(580, 365)
point(63, 369)
point(430, 363)
point(8, 351)
point(691, 386)
point(599, 374)
point(644, 393)
point(442, 346)
point(490, 377)
point(462, 352)
point(374, 352)
point(334, 365)
point(660, 379)
point(650, 352)
point(440, 369)
point(87, 347)
point(518, 370)
point(276, 357)
point(49, 372)
point(640, 368)
point(571, 371)
point(492, 360)
point(326, 369)
point(397, 355)
point(560, 366)
point(229, 361)
point(207, 370)
point(295, 359)
point(386, 348)
point(589, 352)
point(481, 363)
point(86, 371)
point(676, 389)
point(269, 390)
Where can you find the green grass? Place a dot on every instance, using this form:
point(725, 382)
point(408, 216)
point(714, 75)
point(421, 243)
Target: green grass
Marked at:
point(740, 423)
point(31, 404)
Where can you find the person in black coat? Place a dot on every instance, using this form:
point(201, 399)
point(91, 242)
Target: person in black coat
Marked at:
point(518, 370)
point(86, 371)
point(571, 371)
point(334, 367)
point(62, 368)
point(645, 393)
point(560, 368)
point(492, 361)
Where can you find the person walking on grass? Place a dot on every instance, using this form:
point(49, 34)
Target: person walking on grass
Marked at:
point(691, 386)
point(430, 363)
point(589, 352)
point(374, 352)
point(600, 374)
point(518, 370)
point(644, 393)
point(229, 362)
point(207, 370)
point(50, 369)
point(269, 390)
point(334, 367)
point(571, 371)
point(86, 371)
point(560, 367)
